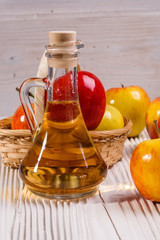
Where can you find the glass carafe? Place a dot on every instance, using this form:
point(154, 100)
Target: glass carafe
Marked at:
point(62, 162)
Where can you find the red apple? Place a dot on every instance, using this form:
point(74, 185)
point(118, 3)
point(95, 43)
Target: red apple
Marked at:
point(63, 87)
point(91, 95)
point(19, 120)
point(92, 98)
point(153, 113)
point(145, 169)
point(132, 102)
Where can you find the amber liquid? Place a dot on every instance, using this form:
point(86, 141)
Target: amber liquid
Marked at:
point(63, 163)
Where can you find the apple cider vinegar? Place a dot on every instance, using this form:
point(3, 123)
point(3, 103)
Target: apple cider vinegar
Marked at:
point(63, 160)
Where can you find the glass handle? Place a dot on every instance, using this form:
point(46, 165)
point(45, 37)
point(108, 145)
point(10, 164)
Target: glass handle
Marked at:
point(25, 100)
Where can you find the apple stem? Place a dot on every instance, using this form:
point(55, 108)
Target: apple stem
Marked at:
point(122, 85)
point(157, 128)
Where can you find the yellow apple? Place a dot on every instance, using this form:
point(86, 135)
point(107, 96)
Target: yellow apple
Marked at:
point(112, 119)
point(153, 113)
point(145, 169)
point(132, 102)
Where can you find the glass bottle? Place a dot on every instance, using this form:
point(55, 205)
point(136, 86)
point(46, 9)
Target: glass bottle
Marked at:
point(62, 163)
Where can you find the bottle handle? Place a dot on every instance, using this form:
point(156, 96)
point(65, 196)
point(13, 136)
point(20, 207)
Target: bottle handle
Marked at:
point(25, 100)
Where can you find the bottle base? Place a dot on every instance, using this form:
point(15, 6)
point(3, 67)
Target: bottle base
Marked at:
point(66, 196)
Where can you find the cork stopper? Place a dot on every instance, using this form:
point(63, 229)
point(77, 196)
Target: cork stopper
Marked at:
point(56, 37)
point(62, 49)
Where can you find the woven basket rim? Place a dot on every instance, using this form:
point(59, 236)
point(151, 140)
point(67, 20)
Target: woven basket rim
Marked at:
point(113, 133)
point(17, 133)
point(94, 134)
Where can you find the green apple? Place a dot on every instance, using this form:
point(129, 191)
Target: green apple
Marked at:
point(112, 119)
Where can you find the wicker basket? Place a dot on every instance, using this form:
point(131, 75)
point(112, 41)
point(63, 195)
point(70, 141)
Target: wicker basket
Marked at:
point(15, 143)
point(110, 144)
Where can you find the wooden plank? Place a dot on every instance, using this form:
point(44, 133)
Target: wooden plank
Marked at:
point(77, 6)
point(133, 216)
point(121, 42)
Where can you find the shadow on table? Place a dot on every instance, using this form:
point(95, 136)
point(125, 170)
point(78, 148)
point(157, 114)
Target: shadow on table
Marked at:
point(122, 192)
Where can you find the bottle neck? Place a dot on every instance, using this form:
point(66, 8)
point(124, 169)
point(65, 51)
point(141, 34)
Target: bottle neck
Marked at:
point(62, 71)
point(62, 84)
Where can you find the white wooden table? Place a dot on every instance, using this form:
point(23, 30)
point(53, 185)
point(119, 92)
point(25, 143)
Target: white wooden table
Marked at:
point(117, 211)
